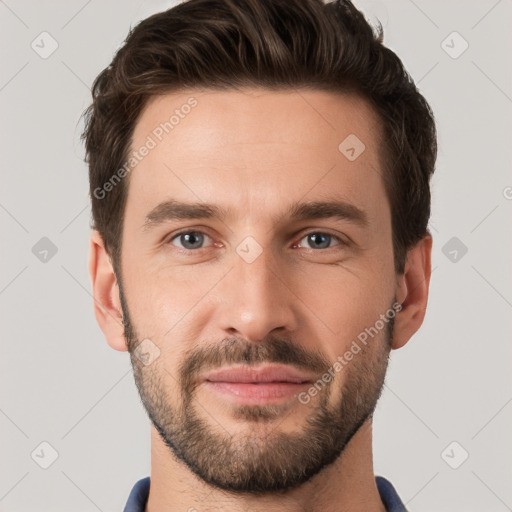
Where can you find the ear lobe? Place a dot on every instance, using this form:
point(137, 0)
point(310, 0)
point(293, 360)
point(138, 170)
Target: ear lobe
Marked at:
point(105, 290)
point(412, 292)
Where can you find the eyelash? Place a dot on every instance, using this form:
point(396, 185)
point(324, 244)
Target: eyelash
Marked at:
point(341, 242)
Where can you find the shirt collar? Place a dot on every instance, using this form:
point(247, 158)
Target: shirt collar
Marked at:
point(140, 492)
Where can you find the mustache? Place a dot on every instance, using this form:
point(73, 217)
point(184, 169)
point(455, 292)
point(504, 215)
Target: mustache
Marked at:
point(231, 351)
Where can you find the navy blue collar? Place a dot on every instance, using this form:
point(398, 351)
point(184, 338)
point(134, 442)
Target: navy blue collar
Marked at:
point(140, 492)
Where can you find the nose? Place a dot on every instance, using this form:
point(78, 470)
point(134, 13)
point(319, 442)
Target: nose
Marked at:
point(257, 298)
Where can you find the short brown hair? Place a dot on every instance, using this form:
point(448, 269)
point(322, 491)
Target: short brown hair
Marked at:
point(274, 44)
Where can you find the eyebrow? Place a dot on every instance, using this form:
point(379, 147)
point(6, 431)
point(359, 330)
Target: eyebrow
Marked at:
point(176, 210)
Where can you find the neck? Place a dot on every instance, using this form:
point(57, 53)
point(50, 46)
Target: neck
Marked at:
point(346, 484)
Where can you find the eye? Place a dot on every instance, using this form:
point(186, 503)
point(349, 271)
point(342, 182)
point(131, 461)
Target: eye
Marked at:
point(193, 240)
point(319, 240)
point(189, 240)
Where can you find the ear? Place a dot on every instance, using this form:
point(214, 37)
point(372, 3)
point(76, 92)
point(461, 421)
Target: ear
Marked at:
point(107, 304)
point(412, 292)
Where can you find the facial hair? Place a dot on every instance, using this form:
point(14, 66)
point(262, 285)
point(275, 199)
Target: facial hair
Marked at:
point(251, 462)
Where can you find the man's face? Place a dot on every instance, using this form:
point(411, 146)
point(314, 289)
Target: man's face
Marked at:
point(268, 286)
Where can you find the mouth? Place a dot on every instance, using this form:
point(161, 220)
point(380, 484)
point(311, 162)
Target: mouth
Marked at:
point(257, 385)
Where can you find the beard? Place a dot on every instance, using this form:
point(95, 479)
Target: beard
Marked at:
point(265, 460)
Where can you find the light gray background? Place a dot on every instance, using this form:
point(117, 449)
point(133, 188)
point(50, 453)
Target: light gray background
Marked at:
point(61, 383)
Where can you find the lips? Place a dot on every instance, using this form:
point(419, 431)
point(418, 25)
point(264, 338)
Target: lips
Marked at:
point(259, 375)
point(257, 385)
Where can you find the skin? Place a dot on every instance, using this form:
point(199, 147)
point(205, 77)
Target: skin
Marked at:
point(257, 151)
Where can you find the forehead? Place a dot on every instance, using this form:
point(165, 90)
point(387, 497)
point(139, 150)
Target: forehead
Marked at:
point(256, 146)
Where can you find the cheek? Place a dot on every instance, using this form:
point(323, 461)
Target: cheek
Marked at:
point(165, 299)
point(343, 303)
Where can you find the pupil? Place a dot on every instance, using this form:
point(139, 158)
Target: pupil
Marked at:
point(190, 238)
point(316, 236)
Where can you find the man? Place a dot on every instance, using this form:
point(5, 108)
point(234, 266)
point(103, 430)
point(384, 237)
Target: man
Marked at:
point(259, 176)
